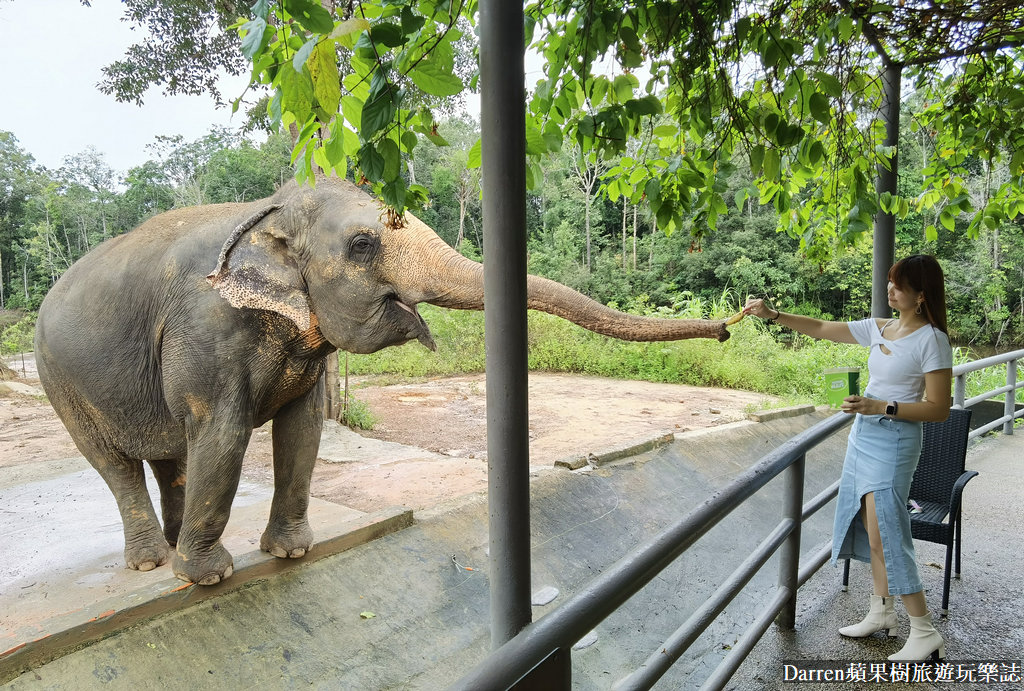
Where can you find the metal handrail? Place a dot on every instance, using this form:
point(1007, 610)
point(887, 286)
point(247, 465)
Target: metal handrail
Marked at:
point(1010, 413)
point(558, 630)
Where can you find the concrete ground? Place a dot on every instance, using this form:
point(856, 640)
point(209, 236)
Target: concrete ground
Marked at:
point(409, 609)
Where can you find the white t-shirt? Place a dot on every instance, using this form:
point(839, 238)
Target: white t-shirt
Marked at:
point(899, 376)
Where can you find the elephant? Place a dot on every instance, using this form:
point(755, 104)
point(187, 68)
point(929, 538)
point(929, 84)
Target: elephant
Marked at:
point(147, 355)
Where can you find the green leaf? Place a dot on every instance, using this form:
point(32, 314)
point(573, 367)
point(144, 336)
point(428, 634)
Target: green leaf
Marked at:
point(296, 93)
point(344, 30)
point(387, 34)
point(756, 159)
point(303, 53)
point(409, 141)
point(772, 165)
point(434, 80)
point(623, 87)
point(473, 158)
point(261, 8)
point(648, 105)
point(255, 37)
point(816, 153)
point(741, 197)
point(379, 109)
point(1017, 162)
point(535, 144)
point(389, 151)
point(586, 126)
point(392, 193)
point(821, 109)
point(323, 69)
point(352, 109)
point(312, 17)
point(334, 147)
point(371, 162)
point(411, 22)
point(553, 136)
point(830, 84)
point(274, 108)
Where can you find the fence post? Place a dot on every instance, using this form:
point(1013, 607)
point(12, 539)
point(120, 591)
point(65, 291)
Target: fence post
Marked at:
point(789, 553)
point(960, 390)
point(1010, 406)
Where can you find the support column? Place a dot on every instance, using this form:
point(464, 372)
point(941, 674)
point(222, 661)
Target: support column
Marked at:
point(503, 149)
point(885, 223)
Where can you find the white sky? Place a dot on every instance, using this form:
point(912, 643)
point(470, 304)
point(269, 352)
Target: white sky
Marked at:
point(53, 53)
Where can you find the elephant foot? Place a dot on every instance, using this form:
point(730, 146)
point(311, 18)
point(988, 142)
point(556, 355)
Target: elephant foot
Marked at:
point(209, 568)
point(287, 541)
point(146, 556)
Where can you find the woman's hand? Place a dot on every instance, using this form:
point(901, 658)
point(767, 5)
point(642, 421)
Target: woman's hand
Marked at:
point(863, 405)
point(758, 308)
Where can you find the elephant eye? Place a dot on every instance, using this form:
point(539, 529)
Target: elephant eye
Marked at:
point(362, 248)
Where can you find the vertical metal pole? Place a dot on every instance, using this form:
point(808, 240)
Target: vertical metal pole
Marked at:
point(960, 390)
point(789, 554)
point(885, 224)
point(503, 148)
point(1010, 406)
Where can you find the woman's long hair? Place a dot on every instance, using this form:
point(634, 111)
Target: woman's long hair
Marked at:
point(921, 272)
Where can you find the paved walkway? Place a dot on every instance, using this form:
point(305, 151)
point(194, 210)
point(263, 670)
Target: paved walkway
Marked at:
point(985, 606)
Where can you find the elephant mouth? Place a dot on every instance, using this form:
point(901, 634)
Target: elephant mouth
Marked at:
point(418, 328)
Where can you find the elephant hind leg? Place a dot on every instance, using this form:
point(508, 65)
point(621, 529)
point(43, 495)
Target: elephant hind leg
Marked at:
point(170, 477)
point(145, 547)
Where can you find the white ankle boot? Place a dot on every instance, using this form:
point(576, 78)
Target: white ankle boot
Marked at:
point(924, 642)
point(881, 616)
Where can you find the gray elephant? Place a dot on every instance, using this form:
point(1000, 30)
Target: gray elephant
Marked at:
point(147, 355)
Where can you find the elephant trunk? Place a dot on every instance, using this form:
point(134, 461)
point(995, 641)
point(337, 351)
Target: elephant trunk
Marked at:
point(554, 298)
point(458, 283)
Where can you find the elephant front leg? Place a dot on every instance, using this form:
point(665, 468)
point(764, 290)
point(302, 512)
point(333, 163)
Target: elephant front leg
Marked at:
point(215, 451)
point(296, 437)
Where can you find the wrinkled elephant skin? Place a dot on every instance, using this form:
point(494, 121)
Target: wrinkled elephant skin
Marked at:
point(171, 343)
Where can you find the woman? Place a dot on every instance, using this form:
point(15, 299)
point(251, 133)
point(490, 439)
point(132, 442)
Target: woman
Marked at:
point(910, 372)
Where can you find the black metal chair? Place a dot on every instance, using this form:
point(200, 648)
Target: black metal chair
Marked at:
point(937, 488)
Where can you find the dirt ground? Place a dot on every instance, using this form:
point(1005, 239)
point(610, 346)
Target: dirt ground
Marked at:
point(443, 419)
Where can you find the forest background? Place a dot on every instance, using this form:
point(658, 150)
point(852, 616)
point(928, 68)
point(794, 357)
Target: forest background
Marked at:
point(49, 218)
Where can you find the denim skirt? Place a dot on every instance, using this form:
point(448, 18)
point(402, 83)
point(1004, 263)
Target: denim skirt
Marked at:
point(881, 456)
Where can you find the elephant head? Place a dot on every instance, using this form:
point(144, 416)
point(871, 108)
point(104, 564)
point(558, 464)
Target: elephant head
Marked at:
point(325, 257)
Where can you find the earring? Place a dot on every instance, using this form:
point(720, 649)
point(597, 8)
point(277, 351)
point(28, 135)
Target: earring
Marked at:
point(918, 310)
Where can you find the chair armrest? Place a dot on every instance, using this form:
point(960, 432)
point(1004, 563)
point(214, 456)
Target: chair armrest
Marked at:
point(958, 490)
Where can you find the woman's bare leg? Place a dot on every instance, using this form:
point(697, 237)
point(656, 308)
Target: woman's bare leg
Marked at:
point(879, 578)
point(914, 602)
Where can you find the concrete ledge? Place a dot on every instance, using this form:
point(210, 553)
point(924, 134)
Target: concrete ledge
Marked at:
point(779, 413)
point(50, 639)
point(615, 452)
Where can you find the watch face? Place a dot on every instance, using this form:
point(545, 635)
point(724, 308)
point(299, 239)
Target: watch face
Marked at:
point(890, 409)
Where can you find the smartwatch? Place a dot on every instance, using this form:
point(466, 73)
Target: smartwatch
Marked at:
point(891, 408)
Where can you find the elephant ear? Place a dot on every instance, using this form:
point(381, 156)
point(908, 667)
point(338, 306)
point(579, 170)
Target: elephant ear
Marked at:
point(258, 272)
